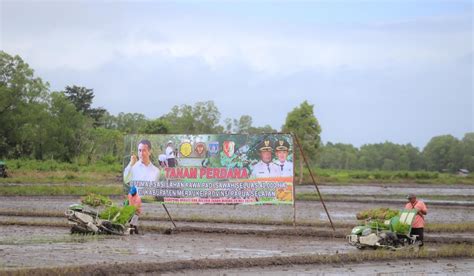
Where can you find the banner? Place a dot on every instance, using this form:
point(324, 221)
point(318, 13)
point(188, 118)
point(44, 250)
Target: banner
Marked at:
point(211, 168)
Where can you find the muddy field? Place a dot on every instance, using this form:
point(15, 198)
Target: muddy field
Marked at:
point(35, 246)
point(305, 210)
point(43, 247)
point(413, 267)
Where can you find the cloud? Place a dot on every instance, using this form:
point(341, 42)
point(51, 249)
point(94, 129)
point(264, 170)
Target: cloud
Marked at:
point(268, 49)
point(370, 81)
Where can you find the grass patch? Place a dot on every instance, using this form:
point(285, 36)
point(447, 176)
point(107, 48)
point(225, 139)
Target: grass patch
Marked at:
point(312, 196)
point(60, 190)
point(363, 176)
point(463, 227)
point(29, 240)
point(50, 171)
point(60, 177)
point(18, 165)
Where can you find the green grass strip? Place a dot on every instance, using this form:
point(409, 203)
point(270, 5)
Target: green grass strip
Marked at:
point(59, 190)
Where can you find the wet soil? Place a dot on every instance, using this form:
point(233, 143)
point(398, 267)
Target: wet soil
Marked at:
point(45, 247)
point(163, 226)
point(395, 267)
point(305, 210)
point(27, 247)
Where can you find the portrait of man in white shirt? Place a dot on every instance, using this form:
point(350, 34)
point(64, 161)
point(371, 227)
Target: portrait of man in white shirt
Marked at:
point(141, 169)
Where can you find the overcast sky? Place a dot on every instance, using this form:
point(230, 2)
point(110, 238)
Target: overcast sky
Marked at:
point(376, 71)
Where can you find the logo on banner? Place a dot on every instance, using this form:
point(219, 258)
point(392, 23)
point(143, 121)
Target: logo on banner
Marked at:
point(200, 149)
point(213, 147)
point(229, 148)
point(186, 149)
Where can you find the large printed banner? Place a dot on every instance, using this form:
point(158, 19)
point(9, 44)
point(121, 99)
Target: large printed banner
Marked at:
point(211, 169)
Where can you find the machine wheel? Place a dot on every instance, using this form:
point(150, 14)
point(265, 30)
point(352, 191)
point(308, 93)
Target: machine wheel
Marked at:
point(77, 229)
point(113, 229)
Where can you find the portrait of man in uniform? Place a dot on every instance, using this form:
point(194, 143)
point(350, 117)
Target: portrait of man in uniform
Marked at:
point(265, 167)
point(282, 149)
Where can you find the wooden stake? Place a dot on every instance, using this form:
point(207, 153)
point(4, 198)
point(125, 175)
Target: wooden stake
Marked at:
point(166, 209)
point(314, 181)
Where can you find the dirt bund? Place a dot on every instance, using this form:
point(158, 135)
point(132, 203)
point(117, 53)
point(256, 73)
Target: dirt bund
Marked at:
point(273, 232)
point(464, 251)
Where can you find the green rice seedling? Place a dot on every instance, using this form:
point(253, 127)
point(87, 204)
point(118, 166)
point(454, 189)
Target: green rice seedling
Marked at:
point(401, 228)
point(119, 215)
point(96, 200)
point(377, 213)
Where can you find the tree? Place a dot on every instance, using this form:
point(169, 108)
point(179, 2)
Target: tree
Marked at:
point(206, 116)
point(243, 125)
point(302, 122)
point(22, 106)
point(105, 145)
point(157, 126)
point(264, 129)
point(203, 117)
point(443, 153)
point(338, 156)
point(228, 125)
point(70, 130)
point(467, 144)
point(82, 98)
point(130, 123)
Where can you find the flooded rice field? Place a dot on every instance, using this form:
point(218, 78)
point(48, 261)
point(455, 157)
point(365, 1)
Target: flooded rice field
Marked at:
point(43, 241)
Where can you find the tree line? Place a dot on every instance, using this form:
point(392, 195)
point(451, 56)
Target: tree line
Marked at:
point(443, 153)
point(38, 123)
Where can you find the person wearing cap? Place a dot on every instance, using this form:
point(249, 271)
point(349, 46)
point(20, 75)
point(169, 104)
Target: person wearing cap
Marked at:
point(282, 148)
point(170, 155)
point(265, 167)
point(135, 200)
point(141, 169)
point(417, 227)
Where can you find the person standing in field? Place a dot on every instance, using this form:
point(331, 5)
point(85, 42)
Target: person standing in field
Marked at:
point(135, 200)
point(417, 227)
